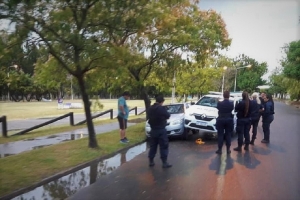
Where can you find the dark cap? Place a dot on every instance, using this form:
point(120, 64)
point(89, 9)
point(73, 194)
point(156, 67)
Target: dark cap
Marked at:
point(126, 93)
point(159, 98)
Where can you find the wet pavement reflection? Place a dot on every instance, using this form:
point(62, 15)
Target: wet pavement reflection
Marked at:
point(71, 183)
point(12, 148)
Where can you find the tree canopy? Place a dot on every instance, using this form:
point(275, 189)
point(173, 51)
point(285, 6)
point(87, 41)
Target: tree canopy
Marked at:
point(128, 39)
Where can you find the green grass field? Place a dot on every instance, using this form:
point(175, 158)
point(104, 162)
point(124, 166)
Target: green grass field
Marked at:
point(26, 110)
point(29, 167)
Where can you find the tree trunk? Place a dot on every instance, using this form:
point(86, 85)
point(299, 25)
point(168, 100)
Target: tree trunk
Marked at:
point(92, 135)
point(147, 101)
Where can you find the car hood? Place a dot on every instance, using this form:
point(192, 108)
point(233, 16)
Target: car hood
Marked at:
point(176, 116)
point(209, 111)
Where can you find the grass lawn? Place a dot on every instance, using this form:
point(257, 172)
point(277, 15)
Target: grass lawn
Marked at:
point(26, 110)
point(24, 169)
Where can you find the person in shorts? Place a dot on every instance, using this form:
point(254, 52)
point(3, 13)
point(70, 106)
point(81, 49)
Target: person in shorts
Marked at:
point(123, 112)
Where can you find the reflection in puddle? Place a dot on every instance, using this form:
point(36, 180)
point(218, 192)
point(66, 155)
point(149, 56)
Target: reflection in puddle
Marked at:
point(5, 155)
point(41, 146)
point(71, 183)
point(52, 136)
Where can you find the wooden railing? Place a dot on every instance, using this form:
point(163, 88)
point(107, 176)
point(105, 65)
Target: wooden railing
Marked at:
point(4, 126)
point(71, 115)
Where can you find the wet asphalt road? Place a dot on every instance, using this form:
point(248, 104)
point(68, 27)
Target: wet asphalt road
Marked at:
point(267, 171)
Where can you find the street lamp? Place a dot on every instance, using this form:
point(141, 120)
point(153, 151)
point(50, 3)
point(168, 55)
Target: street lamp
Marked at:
point(70, 76)
point(13, 66)
point(173, 89)
point(224, 68)
point(248, 66)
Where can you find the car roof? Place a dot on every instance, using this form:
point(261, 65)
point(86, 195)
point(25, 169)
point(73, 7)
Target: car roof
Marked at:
point(170, 104)
point(218, 96)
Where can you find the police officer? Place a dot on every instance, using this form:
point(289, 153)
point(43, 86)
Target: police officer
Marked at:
point(158, 116)
point(244, 110)
point(255, 115)
point(224, 122)
point(267, 117)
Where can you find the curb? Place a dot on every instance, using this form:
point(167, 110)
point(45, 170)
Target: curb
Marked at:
point(63, 173)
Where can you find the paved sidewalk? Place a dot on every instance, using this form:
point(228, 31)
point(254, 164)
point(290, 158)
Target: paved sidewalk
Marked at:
point(18, 125)
point(12, 148)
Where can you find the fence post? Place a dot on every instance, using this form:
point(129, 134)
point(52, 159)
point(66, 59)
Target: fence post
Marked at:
point(135, 109)
point(71, 118)
point(4, 126)
point(111, 114)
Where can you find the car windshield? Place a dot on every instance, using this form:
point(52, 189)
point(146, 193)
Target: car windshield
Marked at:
point(175, 109)
point(209, 101)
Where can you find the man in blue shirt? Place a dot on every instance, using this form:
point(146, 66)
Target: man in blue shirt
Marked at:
point(123, 113)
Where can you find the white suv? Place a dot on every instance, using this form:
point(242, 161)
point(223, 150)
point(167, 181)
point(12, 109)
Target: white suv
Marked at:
point(202, 115)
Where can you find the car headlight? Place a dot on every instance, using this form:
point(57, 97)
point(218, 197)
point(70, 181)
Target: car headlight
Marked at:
point(190, 114)
point(177, 122)
point(214, 121)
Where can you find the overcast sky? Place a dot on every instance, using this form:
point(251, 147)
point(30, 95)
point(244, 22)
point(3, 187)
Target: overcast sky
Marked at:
point(258, 28)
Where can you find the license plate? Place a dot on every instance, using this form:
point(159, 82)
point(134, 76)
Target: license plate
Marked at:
point(201, 123)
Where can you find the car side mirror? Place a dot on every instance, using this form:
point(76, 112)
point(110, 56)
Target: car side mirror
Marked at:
point(192, 103)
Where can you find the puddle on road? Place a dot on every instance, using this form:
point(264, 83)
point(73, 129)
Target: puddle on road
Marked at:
point(5, 155)
point(41, 146)
point(16, 147)
point(68, 185)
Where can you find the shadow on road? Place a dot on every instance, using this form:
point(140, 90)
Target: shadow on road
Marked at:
point(261, 150)
point(247, 159)
point(221, 163)
point(275, 147)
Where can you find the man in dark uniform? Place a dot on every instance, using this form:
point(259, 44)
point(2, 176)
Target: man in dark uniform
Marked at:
point(224, 122)
point(158, 116)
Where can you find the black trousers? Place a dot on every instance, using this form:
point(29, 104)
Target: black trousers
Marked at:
point(266, 126)
point(254, 123)
point(224, 127)
point(159, 137)
point(243, 129)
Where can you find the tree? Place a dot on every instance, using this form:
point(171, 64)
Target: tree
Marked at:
point(70, 31)
point(291, 64)
point(155, 52)
point(249, 78)
point(127, 37)
point(277, 82)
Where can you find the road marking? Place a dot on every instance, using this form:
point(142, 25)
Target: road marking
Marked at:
point(221, 177)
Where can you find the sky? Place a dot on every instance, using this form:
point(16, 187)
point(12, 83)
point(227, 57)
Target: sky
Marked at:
point(258, 28)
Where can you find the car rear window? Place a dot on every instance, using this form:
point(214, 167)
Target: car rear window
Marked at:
point(175, 109)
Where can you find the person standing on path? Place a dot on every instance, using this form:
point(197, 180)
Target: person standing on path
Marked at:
point(158, 116)
point(267, 117)
point(224, 122)
point(123, 112)
point(255, 115)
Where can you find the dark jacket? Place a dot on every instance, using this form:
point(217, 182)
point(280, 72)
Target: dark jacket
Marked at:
point(240, 109)
point(268, 109)
point(158, 116)
point(255, 114)
point(225, 109)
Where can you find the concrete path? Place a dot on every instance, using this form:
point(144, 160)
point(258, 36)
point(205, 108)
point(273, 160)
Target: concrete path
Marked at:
point(12, 148)
point(18, 125)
